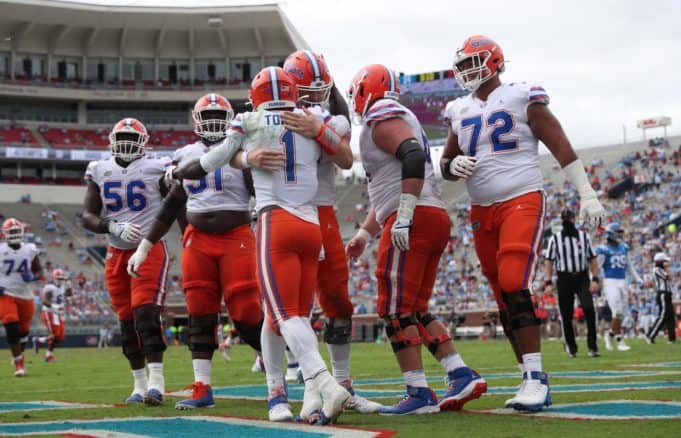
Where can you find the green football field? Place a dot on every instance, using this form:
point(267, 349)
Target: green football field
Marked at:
point(102, 377)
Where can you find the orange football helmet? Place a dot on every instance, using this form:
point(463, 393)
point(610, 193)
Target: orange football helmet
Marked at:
point(13, 231)
point(478, 60)
point(273, 88)
point(128, 138)
point(59, 275)
point(212, 114)
point(370, 84)
point(311, 74)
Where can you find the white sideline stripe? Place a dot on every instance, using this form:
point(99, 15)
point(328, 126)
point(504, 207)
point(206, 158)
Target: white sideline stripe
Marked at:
point(576, 416)
point(50, 404)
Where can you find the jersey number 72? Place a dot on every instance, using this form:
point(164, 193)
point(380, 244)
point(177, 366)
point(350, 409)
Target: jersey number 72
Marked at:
point(502, 122)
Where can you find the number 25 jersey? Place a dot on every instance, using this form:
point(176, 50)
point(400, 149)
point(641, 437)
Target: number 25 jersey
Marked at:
point(129, 194)
point(497, 132)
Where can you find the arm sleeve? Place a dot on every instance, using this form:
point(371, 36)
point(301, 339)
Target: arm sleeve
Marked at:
point(223, 153)
point(537, 94)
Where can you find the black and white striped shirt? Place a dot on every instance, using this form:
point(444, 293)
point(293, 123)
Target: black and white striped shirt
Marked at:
point(661, 280)
point(570, 254)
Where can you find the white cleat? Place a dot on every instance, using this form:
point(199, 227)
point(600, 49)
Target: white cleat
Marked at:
point(534, 394)
point(334, 397)
point(20, 372)
point(281, 412)
point(312, 403)
point(258, 366)
point(362, 405)
point(608, 342)
point(292, 375)
point(510, 401)
point(621, 346)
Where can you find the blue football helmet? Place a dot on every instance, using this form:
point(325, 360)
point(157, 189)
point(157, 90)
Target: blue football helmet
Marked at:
point(613, 231)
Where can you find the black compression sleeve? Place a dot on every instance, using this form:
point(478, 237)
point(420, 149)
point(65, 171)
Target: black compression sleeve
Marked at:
point(413, 159)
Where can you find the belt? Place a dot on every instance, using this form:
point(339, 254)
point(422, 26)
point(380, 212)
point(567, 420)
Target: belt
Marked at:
point(574, 274)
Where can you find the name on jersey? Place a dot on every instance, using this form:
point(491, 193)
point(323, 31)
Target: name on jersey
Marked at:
point(273, 119)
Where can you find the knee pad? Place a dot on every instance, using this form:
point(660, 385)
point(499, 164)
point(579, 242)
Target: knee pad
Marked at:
point(506, 324)
point(250, 334)
point(150, 329)
point(130, 341)
point(395, 327)
point(433, 342)
point(12, 331)
point(338, 331)
point(203, 333)
point(520, 309)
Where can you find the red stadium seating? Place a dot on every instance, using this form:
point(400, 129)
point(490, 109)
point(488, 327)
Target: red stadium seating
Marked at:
point(76, 138)
point(12, 136)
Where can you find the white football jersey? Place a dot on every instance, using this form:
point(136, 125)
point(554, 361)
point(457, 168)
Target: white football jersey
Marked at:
point(497, 133)
point(384, 170)
point(14, 263)
point(58, 297)
point(129, 194)
point(326, 172)
point(222, 190)
point(294, 187)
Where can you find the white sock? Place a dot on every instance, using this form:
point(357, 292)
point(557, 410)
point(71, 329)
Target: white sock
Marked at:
point(532, 362)
point(302, 341)
point(273, 348)
point(452, 362)
point(202, 369)
point(291, 359)
point(140, 377)
point(156, 379)
point(340, 361)
point(416, 378)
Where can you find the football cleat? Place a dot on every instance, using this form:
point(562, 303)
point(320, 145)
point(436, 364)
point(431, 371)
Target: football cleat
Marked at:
point(594, 353)
point(278, 406)
point(19, 369)
point(202, 397)
point(416, 401)
point(622, 346)
point(50, 358)
point(153, 397)
point(333, 395)
point(649, 340)
point(135, 398)
point(258, 365)
point(312, 403)
point(608, 342)
point(463, 385)
point(292, 373)
point(570, 354)
point(358, 403)
point(534, 394)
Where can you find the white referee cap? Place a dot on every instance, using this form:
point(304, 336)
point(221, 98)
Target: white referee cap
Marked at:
point(661, 257)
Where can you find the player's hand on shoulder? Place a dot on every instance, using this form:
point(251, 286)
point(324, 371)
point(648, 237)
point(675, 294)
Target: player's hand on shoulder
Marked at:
point(307, 124)
point(266, 159)
point(128, 231)
point(462, 166)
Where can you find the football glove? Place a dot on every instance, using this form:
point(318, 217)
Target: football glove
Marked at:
point(590, 207)
point(462, 166)
point(138, 257)
point(168, 177)
point(399, 233)
point(127, 231)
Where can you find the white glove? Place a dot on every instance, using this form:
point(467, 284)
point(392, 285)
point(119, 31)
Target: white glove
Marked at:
point(462, 166)
point(590, 206)
point(168, 177)
point(138, 257)
point(127, 231)
point(399, 233)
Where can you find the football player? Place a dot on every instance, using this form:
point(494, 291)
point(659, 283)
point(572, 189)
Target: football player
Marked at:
point(218, 255)
point(288, 235)
point(52, 314)
point(21, 266)
point(616, 264)
point(405, 200)
point(124, 194)
point(316, 88)
point(492, 145)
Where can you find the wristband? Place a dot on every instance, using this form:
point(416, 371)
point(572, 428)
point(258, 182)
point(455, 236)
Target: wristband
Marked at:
point(244, 160)
point(364, 235)
point(328, 139)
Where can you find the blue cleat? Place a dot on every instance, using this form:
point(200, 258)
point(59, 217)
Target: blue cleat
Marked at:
point(417, 401)
point(202, 397)
point(463, 385)
point(153, 397)
point(135, 398)
point(534, 393)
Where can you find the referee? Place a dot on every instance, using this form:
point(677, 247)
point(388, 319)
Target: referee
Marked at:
point(664, 300)
point(570, 252)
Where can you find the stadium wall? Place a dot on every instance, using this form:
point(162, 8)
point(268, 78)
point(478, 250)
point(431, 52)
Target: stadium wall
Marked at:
point(42, 194)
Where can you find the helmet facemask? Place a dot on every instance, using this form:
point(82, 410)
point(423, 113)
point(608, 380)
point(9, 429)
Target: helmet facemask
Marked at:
point(127, 146)
point(212, 124)
point(14, 235)
point(315, 94)
point(471, 71)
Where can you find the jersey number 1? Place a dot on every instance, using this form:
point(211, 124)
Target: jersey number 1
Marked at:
point(502, 123)
point(288, 141)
